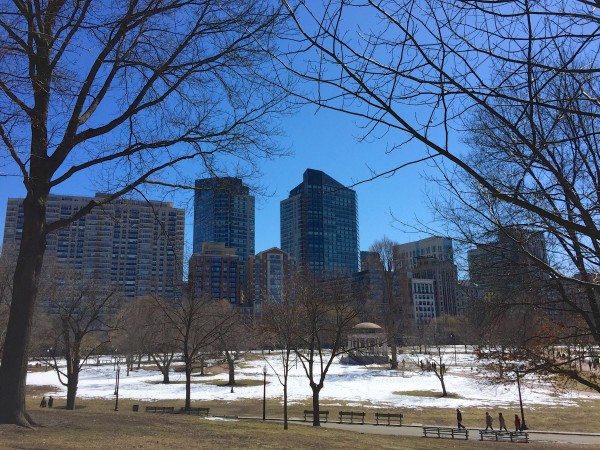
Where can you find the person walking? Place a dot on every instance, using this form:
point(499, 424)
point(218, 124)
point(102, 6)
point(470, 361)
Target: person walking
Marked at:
point(488, 421)
point(517, 423)
point(502, 422)
point(43, 402)
point(50, 402)
point(459, 424)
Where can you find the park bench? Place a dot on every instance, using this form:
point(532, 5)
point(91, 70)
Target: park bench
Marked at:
point(392, 418)
point(509, 436)
point(195, 411)
point(161, 409)
point(352, 415)
point(440, 432)
point(308, 415)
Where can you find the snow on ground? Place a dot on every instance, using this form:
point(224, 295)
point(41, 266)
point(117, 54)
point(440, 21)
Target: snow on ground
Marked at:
point(353, 385)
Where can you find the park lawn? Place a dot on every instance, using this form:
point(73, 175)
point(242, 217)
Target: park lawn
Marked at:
point(94, 425)
point(582, 418)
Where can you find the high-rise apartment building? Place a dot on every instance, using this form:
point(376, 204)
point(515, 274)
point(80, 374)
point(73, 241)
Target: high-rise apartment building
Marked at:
point(215, 272)
point(269, 270)
point(224, 212)
point(319, 225)
point(431, 259)
point(133, 244)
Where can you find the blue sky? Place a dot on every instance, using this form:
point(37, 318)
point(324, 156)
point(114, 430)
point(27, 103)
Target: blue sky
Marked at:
point(322, 140)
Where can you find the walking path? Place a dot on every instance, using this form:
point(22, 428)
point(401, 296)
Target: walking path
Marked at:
point(417, 431)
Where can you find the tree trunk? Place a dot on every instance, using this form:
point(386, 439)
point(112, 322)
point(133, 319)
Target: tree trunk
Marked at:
point(285, 403)
point(316, 389)
point(444, 393)
point(72, 390)
point(165, 373)
point(231, 366)
point(188, 385)
point(394, 361)
point(13, 370)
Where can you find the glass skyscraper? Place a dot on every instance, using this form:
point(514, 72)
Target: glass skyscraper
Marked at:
point(224, 212)
point(319, 225)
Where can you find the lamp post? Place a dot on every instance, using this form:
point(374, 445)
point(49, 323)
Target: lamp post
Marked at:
point(453, 337)
point(117, 380)
point(520, 368)
point(264, 393)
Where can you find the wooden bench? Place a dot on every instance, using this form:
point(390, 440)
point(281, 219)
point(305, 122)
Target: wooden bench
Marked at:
point(391, 418)
point(308, 415)
point(161, 409)
point(195, 411)
point(508, 436)
point(439, 432)
point(352, 415)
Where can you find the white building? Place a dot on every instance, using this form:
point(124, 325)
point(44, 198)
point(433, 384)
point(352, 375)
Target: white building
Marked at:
point(423, 299)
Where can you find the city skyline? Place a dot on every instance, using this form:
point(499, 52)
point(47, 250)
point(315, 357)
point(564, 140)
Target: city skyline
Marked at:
point(316, 144)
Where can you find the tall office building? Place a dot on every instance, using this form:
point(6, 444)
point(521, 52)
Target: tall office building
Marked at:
point(505, 262)
point(269, 270)
point(224, 212)
point(135, 245)
point(431, 259)
point(319, 225)
point(214, 272)
point(437, 247)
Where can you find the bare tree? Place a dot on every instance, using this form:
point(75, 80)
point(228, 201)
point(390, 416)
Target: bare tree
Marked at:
point(199, 322)
point(327, 312)
point(77, 321)
point(281, 322)
point(384, 248)
point(235, 341)
point(129, 91)
point(503, 98)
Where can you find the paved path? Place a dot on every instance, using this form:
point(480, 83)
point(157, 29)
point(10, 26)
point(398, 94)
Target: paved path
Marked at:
point(587, 439)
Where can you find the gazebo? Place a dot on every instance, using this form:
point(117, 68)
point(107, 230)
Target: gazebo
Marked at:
point(367, 344)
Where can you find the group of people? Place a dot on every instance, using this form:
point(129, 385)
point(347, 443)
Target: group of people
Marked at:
point(593, 363)
point(489, 422)
point(49, 402)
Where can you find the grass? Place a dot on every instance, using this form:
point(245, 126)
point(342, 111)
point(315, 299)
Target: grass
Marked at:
point(430, 394)
point(97, 426)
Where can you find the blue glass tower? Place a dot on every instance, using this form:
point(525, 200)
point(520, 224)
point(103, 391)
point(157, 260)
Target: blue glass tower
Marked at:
point(224, 212)
point(319, 225)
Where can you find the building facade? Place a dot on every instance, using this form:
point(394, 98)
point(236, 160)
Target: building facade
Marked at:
point(269, 270)
point(135, 245)
point(215, 273)
point(319, 225)
point(423, 300)
point(224, 212)
point(433, 259)
point(406, 255)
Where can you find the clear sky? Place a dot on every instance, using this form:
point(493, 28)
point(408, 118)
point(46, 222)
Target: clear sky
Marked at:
point(322, 140)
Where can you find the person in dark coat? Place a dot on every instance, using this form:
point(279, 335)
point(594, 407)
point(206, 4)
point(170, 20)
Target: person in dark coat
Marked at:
point(488, 421)
point(459, 424)
point(502, 422)
point(50, 402)
point(43, 402)
point(517, 423)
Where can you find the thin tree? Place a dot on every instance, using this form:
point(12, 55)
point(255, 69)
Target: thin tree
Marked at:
point(384, 248)
point(198, 322)
point(282, 324)
point(79, 318)
point(327, 313)
point(128, 90)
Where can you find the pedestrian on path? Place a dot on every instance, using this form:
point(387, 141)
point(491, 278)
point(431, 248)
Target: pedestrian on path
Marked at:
point(502, 422)
point(50, 402)
point(488, 421)
point(43, 402)
point(517, 423)
point(459, 424)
